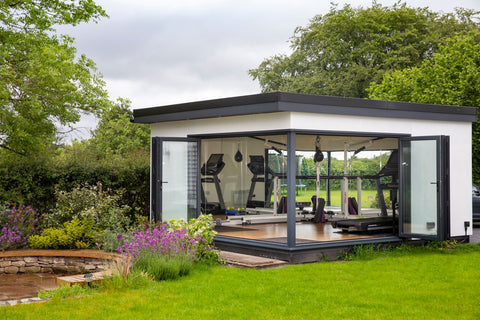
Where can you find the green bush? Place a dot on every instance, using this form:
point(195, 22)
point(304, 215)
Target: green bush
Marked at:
point(91, 203)
point(108, 240)
point(162, 267)
point(77, 234)
point(201, 227)
point(35, 179)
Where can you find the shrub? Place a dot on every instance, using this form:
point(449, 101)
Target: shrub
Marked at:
point(77, 234)
point(162, 267)
point(34, 179)
point(108, 240)
point(91, 203)
point(17, 225)
point(202, 229)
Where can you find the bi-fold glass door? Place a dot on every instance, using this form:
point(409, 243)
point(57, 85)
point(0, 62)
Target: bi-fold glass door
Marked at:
point(424, 188)
point(175, 178)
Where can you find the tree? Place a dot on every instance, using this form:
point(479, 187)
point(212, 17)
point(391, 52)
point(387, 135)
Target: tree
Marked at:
point(42, 82)
point(117, 135)
point(343, 51)
point(451, 77)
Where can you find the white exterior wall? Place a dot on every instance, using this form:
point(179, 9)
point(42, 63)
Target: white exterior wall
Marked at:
point(459, 132)
point(255, 122)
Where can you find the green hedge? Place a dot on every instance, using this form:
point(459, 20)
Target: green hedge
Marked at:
point(32, 180)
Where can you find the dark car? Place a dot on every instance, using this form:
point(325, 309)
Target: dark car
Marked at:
point(476, 203)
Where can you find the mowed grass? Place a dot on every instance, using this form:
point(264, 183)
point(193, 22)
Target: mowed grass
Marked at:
point(368, 196)
point(423, 284)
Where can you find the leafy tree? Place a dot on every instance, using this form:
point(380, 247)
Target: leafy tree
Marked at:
point(343, 51)
point(451, 77)
point(116, 134)
point(42, 82)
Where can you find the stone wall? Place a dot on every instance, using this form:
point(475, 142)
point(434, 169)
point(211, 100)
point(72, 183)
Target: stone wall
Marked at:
point(13, 265)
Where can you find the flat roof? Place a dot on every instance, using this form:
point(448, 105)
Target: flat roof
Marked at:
point(297, 102)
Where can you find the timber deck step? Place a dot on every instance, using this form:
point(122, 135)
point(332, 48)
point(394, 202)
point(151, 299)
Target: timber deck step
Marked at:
point(83, 279)
point(247, 261)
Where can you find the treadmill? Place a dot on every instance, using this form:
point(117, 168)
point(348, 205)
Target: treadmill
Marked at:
point(261, 173)
point(210, 171)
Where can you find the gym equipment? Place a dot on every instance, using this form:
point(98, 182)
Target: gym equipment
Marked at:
point(319, 211)
point(260, 174)
point(383, 222)
point(352, 206)
point(238, 156)
point(211, 169)
point(390, 169)
point(366, 224)
point(282, 206)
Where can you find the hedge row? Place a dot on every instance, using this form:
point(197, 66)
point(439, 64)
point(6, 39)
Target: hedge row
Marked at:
point(33, 181)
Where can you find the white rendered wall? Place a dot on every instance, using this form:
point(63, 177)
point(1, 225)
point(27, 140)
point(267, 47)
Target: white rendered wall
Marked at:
point(459, 132)
point(256, 122)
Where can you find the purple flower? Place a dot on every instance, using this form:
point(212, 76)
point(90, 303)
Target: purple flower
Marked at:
point(120, 236)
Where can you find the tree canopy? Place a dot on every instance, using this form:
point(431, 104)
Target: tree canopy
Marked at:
point(451, 77)
point(42, 81)
point(342, 52)
point(116, 134)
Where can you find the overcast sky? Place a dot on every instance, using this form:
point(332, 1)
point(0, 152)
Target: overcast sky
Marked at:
point(159, 52)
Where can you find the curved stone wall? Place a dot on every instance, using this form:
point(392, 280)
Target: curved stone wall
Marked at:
point(55, 261)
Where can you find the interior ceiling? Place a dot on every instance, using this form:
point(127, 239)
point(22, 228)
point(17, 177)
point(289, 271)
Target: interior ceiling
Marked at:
point(333, 143)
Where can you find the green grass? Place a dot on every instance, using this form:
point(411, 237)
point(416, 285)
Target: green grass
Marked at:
point(420, 283)
point(368, 196)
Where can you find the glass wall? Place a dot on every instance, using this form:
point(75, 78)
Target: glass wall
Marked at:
point(244, 184)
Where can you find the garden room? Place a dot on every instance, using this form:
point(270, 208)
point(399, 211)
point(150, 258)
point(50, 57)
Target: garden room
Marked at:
point(298, 177)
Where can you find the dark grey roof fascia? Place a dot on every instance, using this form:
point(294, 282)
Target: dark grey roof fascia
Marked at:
point(296, 102)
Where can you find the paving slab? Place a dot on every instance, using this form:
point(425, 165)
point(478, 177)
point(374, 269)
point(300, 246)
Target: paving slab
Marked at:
point(247, 261)
point(14, 287)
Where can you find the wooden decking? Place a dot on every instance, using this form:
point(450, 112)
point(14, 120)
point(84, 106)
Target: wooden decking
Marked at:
point(306, 231)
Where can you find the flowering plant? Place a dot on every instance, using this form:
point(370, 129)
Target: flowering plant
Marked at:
point(159, 240)
point(201, 228)
point(17, 225)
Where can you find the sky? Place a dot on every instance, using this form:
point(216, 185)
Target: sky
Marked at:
point(161, 52)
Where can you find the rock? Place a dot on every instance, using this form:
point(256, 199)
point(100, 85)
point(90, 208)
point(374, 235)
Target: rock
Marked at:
point(32, 269)
point(4, 264)
point(60, 269)
point(19, 263)
point(30, 259)
point(45, 260)
point(58, 260)
point(11, 270)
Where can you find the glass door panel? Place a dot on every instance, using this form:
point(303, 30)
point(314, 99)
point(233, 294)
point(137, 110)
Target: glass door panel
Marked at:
point(176, 180)
point(423, 212)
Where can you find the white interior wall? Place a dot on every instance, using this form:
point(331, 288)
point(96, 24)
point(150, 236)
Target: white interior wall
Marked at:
point(235, 177)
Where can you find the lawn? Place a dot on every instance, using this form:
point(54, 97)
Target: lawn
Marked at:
point(417, 284)
point(368, 196)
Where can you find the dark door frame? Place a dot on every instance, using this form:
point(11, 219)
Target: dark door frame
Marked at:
point(156, 175)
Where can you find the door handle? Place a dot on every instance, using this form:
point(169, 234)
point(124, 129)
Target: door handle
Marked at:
point(433, 182)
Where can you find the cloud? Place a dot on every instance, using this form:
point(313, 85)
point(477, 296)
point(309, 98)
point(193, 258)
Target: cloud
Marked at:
point(160, 52)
